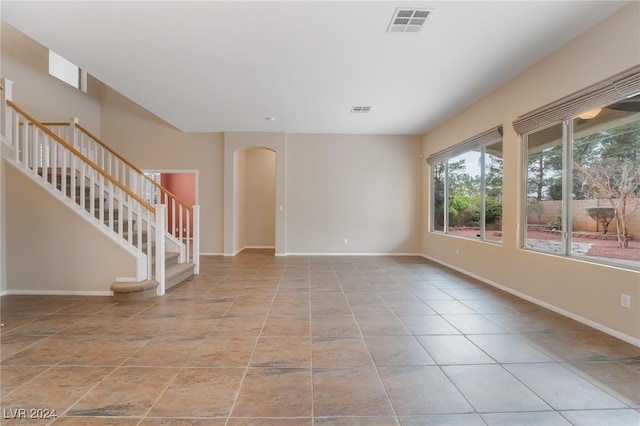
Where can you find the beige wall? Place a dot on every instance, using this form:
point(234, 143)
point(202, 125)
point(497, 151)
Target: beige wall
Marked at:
point(366, 189)
point(586, 291)
point(152, 144)
point(260, 198)
point(53, 249)
point(26, 63)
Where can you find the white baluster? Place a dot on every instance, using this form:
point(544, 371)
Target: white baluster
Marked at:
point(160, 226)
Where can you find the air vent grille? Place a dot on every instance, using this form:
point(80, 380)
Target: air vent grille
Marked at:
point(408, 20)
point(360, 109)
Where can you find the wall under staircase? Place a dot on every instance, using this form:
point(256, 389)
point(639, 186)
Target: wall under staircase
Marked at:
point(69, 256)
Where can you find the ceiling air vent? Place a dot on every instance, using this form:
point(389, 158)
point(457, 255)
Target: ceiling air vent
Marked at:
point(408, 20)
point(360, 109)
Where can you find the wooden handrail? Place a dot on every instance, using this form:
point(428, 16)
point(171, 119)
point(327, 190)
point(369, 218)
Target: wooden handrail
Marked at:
point(124, 160)
point(82, 157)
point(55, 124)
point(46, 124)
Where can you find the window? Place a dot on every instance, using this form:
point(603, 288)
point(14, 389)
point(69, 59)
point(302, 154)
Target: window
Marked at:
point(583, 185)
point(467, 188)
point(66, 71)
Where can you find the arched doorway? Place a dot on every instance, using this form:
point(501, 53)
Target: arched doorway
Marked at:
point(250, 157)
point(255, 198)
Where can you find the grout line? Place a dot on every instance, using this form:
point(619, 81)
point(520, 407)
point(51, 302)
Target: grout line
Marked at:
point(246, 369)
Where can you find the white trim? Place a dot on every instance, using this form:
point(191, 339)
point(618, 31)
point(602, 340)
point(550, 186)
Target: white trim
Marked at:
point(603, 328)
point(315, 254)
point(247, 247)
point(212, 254)
point(58, 293)
point(352, 254)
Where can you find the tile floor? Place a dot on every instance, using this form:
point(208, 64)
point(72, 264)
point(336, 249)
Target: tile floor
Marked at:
point(260, 340)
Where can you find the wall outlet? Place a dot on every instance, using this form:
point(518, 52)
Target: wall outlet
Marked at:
point(346, 241)
point(457, 252)
point(625, 301)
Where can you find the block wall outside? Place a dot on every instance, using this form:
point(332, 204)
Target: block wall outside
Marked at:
point(581, 219)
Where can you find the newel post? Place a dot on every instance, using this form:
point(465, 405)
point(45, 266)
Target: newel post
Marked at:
point(5, 118)
point(161, 226)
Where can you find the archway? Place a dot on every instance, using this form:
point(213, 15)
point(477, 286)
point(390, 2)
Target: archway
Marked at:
point(265, 151)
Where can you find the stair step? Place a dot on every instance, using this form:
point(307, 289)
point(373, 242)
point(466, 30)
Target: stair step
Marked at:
point(175, 274)
point(134, 291)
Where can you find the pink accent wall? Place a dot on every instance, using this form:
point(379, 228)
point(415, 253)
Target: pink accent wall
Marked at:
point(182, 185)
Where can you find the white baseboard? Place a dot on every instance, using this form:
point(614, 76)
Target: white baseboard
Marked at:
point(352, 254)
point(311, 254)
point(586, 321)
point(57, 293)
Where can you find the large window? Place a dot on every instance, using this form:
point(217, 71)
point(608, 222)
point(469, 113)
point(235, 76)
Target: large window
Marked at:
point(583, 185)
point(467, 191)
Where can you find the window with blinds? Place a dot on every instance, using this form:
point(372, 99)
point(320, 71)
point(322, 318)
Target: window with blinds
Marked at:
point(466, 183)
point(582, 174)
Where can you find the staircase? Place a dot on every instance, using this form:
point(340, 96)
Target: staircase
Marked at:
point(175, 273)
point(109, 193)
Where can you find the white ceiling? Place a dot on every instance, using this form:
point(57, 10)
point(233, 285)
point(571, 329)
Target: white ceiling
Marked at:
point(213, 66)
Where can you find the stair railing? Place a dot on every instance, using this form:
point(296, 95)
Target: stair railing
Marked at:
point(59, 167)
point(184, 219)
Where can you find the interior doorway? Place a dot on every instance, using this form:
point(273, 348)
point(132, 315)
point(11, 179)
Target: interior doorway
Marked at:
point(181, 183)
point(258, 217)
point(236, 146)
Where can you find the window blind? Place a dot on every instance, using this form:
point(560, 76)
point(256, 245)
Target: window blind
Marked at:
point(490, 136)
point(613, 89)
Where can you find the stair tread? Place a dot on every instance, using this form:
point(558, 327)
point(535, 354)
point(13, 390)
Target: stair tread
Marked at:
point(130, 287)
point(178, 268)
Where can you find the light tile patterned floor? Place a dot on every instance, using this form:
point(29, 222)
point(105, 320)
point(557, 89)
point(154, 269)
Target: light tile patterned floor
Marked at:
point(263, 340)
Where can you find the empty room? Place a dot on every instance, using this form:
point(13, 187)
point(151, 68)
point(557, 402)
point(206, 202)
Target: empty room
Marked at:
point(320, 213)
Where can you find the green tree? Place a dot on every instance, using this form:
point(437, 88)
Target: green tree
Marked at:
point(544, 170)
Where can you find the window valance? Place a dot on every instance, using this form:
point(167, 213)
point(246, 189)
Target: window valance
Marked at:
point(490, 136)
point(620, 86)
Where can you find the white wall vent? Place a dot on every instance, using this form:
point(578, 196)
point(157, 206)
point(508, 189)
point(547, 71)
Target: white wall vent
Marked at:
point(360, 109)
point(408, 20)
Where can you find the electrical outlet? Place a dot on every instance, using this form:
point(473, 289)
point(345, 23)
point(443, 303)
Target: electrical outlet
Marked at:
point(625, 301)
point(457, 252)
point(346, 241)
